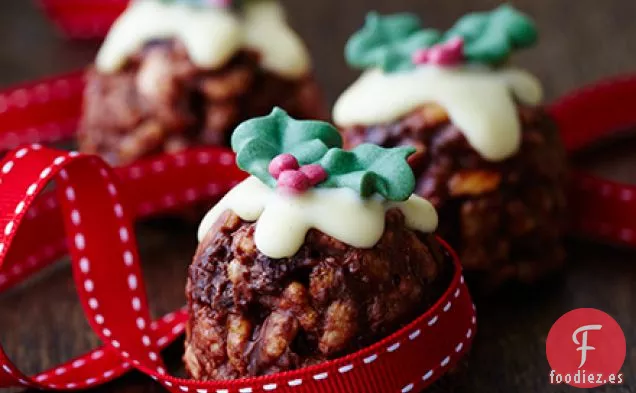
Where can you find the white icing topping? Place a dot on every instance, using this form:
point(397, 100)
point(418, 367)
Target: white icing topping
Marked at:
point(145, 20)
point(283, 220)
point(282, 51)
point(211, 35)
point(480, 101)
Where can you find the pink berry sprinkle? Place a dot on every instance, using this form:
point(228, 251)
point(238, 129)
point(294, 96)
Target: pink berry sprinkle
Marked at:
point(447, 54)
point(421, 56)
point(293, 182)
point(281, 163)
point(315, 173)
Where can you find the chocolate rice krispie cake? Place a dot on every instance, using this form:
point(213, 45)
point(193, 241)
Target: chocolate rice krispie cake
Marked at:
point(488, 155)
point(177, 73)
point(319, 253)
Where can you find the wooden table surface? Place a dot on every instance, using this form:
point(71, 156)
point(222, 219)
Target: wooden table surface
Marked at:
point(41, 322)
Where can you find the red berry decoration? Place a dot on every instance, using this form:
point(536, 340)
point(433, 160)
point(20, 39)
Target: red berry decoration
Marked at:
point(282, 162)
point(449, 53)
point(293, 182)
point(315, 173)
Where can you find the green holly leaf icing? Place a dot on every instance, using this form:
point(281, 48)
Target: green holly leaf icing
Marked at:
point(388, 42)
point(259, 140)
point(369, 169)
point(491, 37)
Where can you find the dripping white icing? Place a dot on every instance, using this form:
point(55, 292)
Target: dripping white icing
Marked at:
point(283, 220)
point(211, 35)
point(479, 100)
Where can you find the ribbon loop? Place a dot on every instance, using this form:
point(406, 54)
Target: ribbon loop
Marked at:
point(159, 184)
point(102, 247)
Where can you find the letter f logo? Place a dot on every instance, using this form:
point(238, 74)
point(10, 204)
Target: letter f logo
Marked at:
point(583, 344)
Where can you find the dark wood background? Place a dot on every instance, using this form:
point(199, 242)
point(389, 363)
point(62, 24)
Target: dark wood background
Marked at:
point(41, 322)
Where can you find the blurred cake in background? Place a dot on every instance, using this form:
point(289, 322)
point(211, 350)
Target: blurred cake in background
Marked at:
point(488, 155)
point(176, 73)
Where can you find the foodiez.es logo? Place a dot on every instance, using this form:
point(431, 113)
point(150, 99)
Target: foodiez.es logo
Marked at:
point(586, 348)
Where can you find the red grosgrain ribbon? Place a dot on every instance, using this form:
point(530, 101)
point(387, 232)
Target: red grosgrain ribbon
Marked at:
point(600, 208)
point(153, 185)
point(45, 111)
point(109, 289)
point(84, 19)
point(106, 270)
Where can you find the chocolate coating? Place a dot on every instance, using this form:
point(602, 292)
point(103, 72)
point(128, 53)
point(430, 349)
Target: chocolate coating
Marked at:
point(252, 315)
point(162, 102)
point(506, 219)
